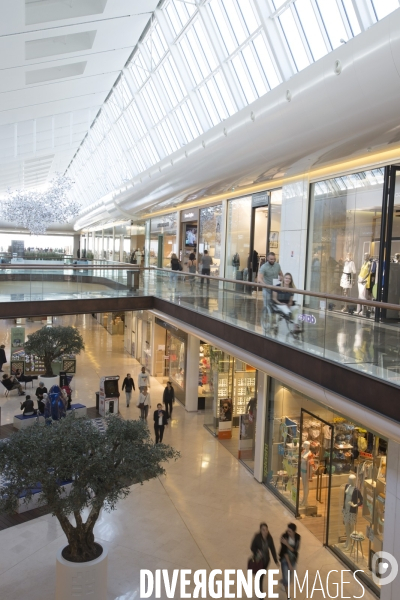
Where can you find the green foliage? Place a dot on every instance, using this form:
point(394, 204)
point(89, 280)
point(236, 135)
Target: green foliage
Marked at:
point(52, 342)
point(102, 465)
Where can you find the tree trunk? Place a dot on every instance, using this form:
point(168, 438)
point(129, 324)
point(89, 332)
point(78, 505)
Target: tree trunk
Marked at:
point(47, 365)
point(81, 544)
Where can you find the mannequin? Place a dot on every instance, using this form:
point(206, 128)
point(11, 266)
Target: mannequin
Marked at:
point(351, 501)
point(346, 280)
point(363, 280)
point(307, 460)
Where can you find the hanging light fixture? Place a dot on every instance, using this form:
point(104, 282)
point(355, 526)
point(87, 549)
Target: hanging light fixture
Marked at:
point(36, 210)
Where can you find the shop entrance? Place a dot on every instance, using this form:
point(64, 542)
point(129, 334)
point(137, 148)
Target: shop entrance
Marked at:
point(390, 252)
point(189, 237)
point(259, 234)
point(314, 473)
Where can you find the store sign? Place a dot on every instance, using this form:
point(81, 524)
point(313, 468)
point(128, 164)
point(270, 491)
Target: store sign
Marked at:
point(260, 199)
point(163, 224)
point(189, 215)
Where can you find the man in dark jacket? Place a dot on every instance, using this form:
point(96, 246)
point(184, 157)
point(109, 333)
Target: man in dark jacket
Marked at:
point(261, 547)
point(169, 399)
point(10, 383)
point(128, 385)
point(27, 406)
point(160, 422)
point(3, 358)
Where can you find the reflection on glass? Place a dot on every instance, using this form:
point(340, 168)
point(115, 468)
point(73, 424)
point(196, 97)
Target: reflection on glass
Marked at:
point(238, 236)
point(339, 468)
point(176, 351)
point(344, 237)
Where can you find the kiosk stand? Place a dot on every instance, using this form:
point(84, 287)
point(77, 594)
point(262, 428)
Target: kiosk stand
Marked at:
point(109, 395)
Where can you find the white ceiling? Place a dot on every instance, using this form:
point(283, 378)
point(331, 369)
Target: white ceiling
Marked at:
point(59, 60)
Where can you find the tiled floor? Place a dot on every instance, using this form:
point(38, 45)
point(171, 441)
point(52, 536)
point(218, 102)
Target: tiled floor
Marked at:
point(202, 514)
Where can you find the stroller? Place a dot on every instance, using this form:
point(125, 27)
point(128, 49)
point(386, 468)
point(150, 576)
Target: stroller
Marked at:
point(281, 312)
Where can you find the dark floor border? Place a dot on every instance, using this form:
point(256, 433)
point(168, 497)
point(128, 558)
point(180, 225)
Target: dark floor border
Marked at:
point(78, 306)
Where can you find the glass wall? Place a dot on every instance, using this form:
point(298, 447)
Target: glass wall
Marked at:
point(163, 232)
point(321, 464)
point(275, 227)
point(344, 235)
point(210, 235)
point(177, 359)
point(237, 236)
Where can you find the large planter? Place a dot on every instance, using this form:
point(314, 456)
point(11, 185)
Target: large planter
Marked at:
point(81, 580)
point(49, 381)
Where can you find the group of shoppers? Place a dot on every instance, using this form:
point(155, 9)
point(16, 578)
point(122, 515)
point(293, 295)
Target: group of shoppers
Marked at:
point(206, 261)
point(160, 416)
point(263, 545)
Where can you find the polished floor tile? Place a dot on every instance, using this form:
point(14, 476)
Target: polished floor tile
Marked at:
point(201, 515)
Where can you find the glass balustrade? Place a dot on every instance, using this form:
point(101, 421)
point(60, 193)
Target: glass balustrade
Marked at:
point(325, 326)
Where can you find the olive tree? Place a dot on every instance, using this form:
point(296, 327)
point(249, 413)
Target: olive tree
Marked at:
point(52, 342)
point(101, 465)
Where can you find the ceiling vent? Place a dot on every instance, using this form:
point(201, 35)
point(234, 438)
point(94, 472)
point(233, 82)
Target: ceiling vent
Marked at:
point(60, 44)
point(51, 73)
point(44, 11)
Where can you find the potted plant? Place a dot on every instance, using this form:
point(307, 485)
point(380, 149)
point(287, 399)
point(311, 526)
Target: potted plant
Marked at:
point(51, 343)
point(99, 468)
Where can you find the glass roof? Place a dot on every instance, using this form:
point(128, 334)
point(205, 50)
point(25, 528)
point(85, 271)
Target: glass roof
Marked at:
point(200, 62)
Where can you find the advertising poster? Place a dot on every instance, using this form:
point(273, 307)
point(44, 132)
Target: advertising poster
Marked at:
point(17, 338)
point(225, 419)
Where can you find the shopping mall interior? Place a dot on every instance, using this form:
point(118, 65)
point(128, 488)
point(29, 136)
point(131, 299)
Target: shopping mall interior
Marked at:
point(205, 193)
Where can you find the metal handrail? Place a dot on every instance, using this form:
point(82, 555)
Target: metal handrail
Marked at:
point(132, 267)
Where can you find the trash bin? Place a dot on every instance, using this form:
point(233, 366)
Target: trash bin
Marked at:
point(132, 279)
point(97, 401)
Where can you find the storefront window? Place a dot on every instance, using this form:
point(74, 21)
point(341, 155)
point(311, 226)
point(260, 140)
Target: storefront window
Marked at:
point(176, 351)
point(238, 236)
point(325, 465)
point(276, 212)
point(147, 343)
point(163, 231)
point(344, 238)
point(210, 235)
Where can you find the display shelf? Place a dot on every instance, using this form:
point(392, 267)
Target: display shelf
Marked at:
point(343, 447)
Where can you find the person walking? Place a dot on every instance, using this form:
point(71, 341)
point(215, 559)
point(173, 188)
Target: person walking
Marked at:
point(143, 379)
point(206, 263)
point(144, 403)
point(269, 271)
point(160, 422)
point(175, 267)
point(192, 269)
point(3, 358)
point(129, 385)
point(288, 554)
point(169, 399)
point(261, 547)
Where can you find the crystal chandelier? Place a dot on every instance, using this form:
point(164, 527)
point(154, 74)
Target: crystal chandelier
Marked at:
point(36, 210)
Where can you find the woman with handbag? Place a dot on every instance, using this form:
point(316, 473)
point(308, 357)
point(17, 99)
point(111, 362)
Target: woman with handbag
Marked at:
point(288, 554)
point(144, 403)
point(261, 547)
